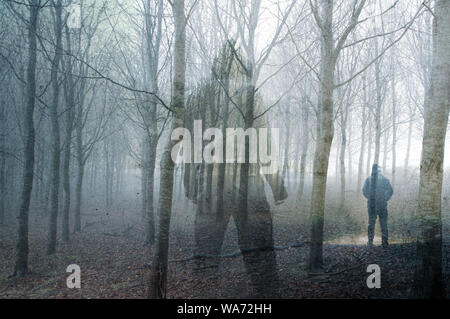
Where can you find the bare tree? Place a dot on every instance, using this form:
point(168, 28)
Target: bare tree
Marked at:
point(2, 161)
point(363, 134)
point(69, 92)
point(21, 264)
point(428, 281)
point(56, 143)
point(153, 38)
point(330, 50)
point(158, 281)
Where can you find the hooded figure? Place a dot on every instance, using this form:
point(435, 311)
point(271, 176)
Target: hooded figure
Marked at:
point(215, 188)
point(378, 191)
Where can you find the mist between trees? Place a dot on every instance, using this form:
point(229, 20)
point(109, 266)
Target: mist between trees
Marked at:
point(118, 122)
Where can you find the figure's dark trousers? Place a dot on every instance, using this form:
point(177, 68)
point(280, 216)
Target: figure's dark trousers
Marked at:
point(382, 214)
point(255, 239)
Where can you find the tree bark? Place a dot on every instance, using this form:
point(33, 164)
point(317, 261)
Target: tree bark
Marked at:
point(428, 278)
point(21, 263)
point(225, 115)
point(248, 120)
point(158, 280)
point(305, 145)
point(363, 137)
point(153, 28)
point(325, 130)
point(369, 144)
point(285, 172)
point(2, 161)
point(150, 214)
point(324, 138)
point(394, 129)
point(378, 107)
point(56, 155)
point(342, 154)
point(69, 117)
point(78, 197)
point(144, 176)
point(408, 147)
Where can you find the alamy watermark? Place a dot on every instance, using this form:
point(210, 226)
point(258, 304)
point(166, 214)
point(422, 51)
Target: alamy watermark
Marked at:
point(374, 280)
point(263, 147)
point(74, 279)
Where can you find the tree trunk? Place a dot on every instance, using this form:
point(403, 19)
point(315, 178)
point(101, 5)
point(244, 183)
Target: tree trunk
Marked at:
point(150, 215)
point(80, 168)
point(69, 116)
point(305, 145)
point(378, 107)
point(66, 186)
point(296, 163)
point(21, 263)
point(394, 128)
point(56, 155)
point(369, 145)
point(153, 29)
point(285, 172)
point(408, 147)
point(336, 163)
point(78, 197)
point(2, 161)
point(349, 149)
point(245, 167)
point(342, 154)
point(158, 280)
point(107, 148)
point(385, 138)
point(225, 115)
point(363, 138)
point(144, 176)
point(324, 139)
point(428, 278)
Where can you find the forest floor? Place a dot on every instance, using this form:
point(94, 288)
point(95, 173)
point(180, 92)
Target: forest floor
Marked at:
point(115, 264)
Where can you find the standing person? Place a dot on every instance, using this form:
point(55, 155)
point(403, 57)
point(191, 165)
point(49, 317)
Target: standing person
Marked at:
point(216, 210)
point(378, 191)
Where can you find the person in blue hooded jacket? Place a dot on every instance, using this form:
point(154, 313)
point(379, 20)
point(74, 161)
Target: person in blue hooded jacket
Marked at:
point(378, 191)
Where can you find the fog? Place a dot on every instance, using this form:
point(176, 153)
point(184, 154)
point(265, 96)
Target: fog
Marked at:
point(102, 164)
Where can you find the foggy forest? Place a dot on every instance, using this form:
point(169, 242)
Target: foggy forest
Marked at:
point(169, 149)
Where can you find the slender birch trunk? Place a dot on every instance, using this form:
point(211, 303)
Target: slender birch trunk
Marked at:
point(363, 147)
point(428, 277)
point(342, 154)
point(158, 280)
point(150, 214)
point(285, 172)
point(369, 143)
point(378, 107)
point(394, 129)
point(329, 54)
point(153, 26)
point(305, 145)
point(408, 147)
point(144, 175)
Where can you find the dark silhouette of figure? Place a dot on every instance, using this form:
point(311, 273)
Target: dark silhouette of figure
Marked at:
point(215, 188)
point(378, 191)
